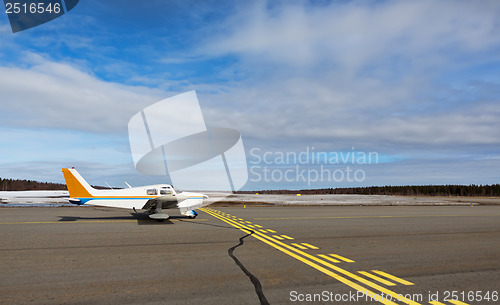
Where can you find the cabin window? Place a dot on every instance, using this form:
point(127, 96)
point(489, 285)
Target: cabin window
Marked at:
point(165, 192)
point(152, 192)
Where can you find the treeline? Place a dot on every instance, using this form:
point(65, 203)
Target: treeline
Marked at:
point(29, 185)
point(405, 190)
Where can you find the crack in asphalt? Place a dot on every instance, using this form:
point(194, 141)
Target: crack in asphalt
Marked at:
point(255, 281)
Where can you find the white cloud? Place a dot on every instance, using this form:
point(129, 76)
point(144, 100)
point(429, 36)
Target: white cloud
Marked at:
point(360, 72)
point(306, 112)
point(352, 35)
point(43, 93)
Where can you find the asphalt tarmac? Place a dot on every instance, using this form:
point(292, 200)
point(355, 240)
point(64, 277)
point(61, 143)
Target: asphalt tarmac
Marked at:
point(252, 255)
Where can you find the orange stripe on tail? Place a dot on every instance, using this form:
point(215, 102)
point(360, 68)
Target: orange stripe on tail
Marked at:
point(75, 187)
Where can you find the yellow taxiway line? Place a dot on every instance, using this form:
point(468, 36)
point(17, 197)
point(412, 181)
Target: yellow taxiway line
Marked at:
point(340, 274)
point(323, 263)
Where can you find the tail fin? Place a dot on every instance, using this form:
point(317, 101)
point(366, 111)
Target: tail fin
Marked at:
point(77, 186)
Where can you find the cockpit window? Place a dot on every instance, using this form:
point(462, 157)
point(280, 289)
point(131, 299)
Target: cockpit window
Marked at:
point(152, 192)
point(177, 190)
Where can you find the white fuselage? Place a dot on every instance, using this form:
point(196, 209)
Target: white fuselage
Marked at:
point(138, 196)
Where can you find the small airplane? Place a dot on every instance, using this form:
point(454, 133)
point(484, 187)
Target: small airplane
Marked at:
point(153, 198)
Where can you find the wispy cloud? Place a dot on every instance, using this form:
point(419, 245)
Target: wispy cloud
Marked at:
point(48, 94)
point(352, 35)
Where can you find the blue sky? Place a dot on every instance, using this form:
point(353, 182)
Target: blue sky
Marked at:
point(417, 82)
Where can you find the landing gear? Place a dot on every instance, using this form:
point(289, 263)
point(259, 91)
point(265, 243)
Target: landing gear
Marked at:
point(158, 213)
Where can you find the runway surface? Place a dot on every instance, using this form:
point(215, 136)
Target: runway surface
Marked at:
point(253, 255)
